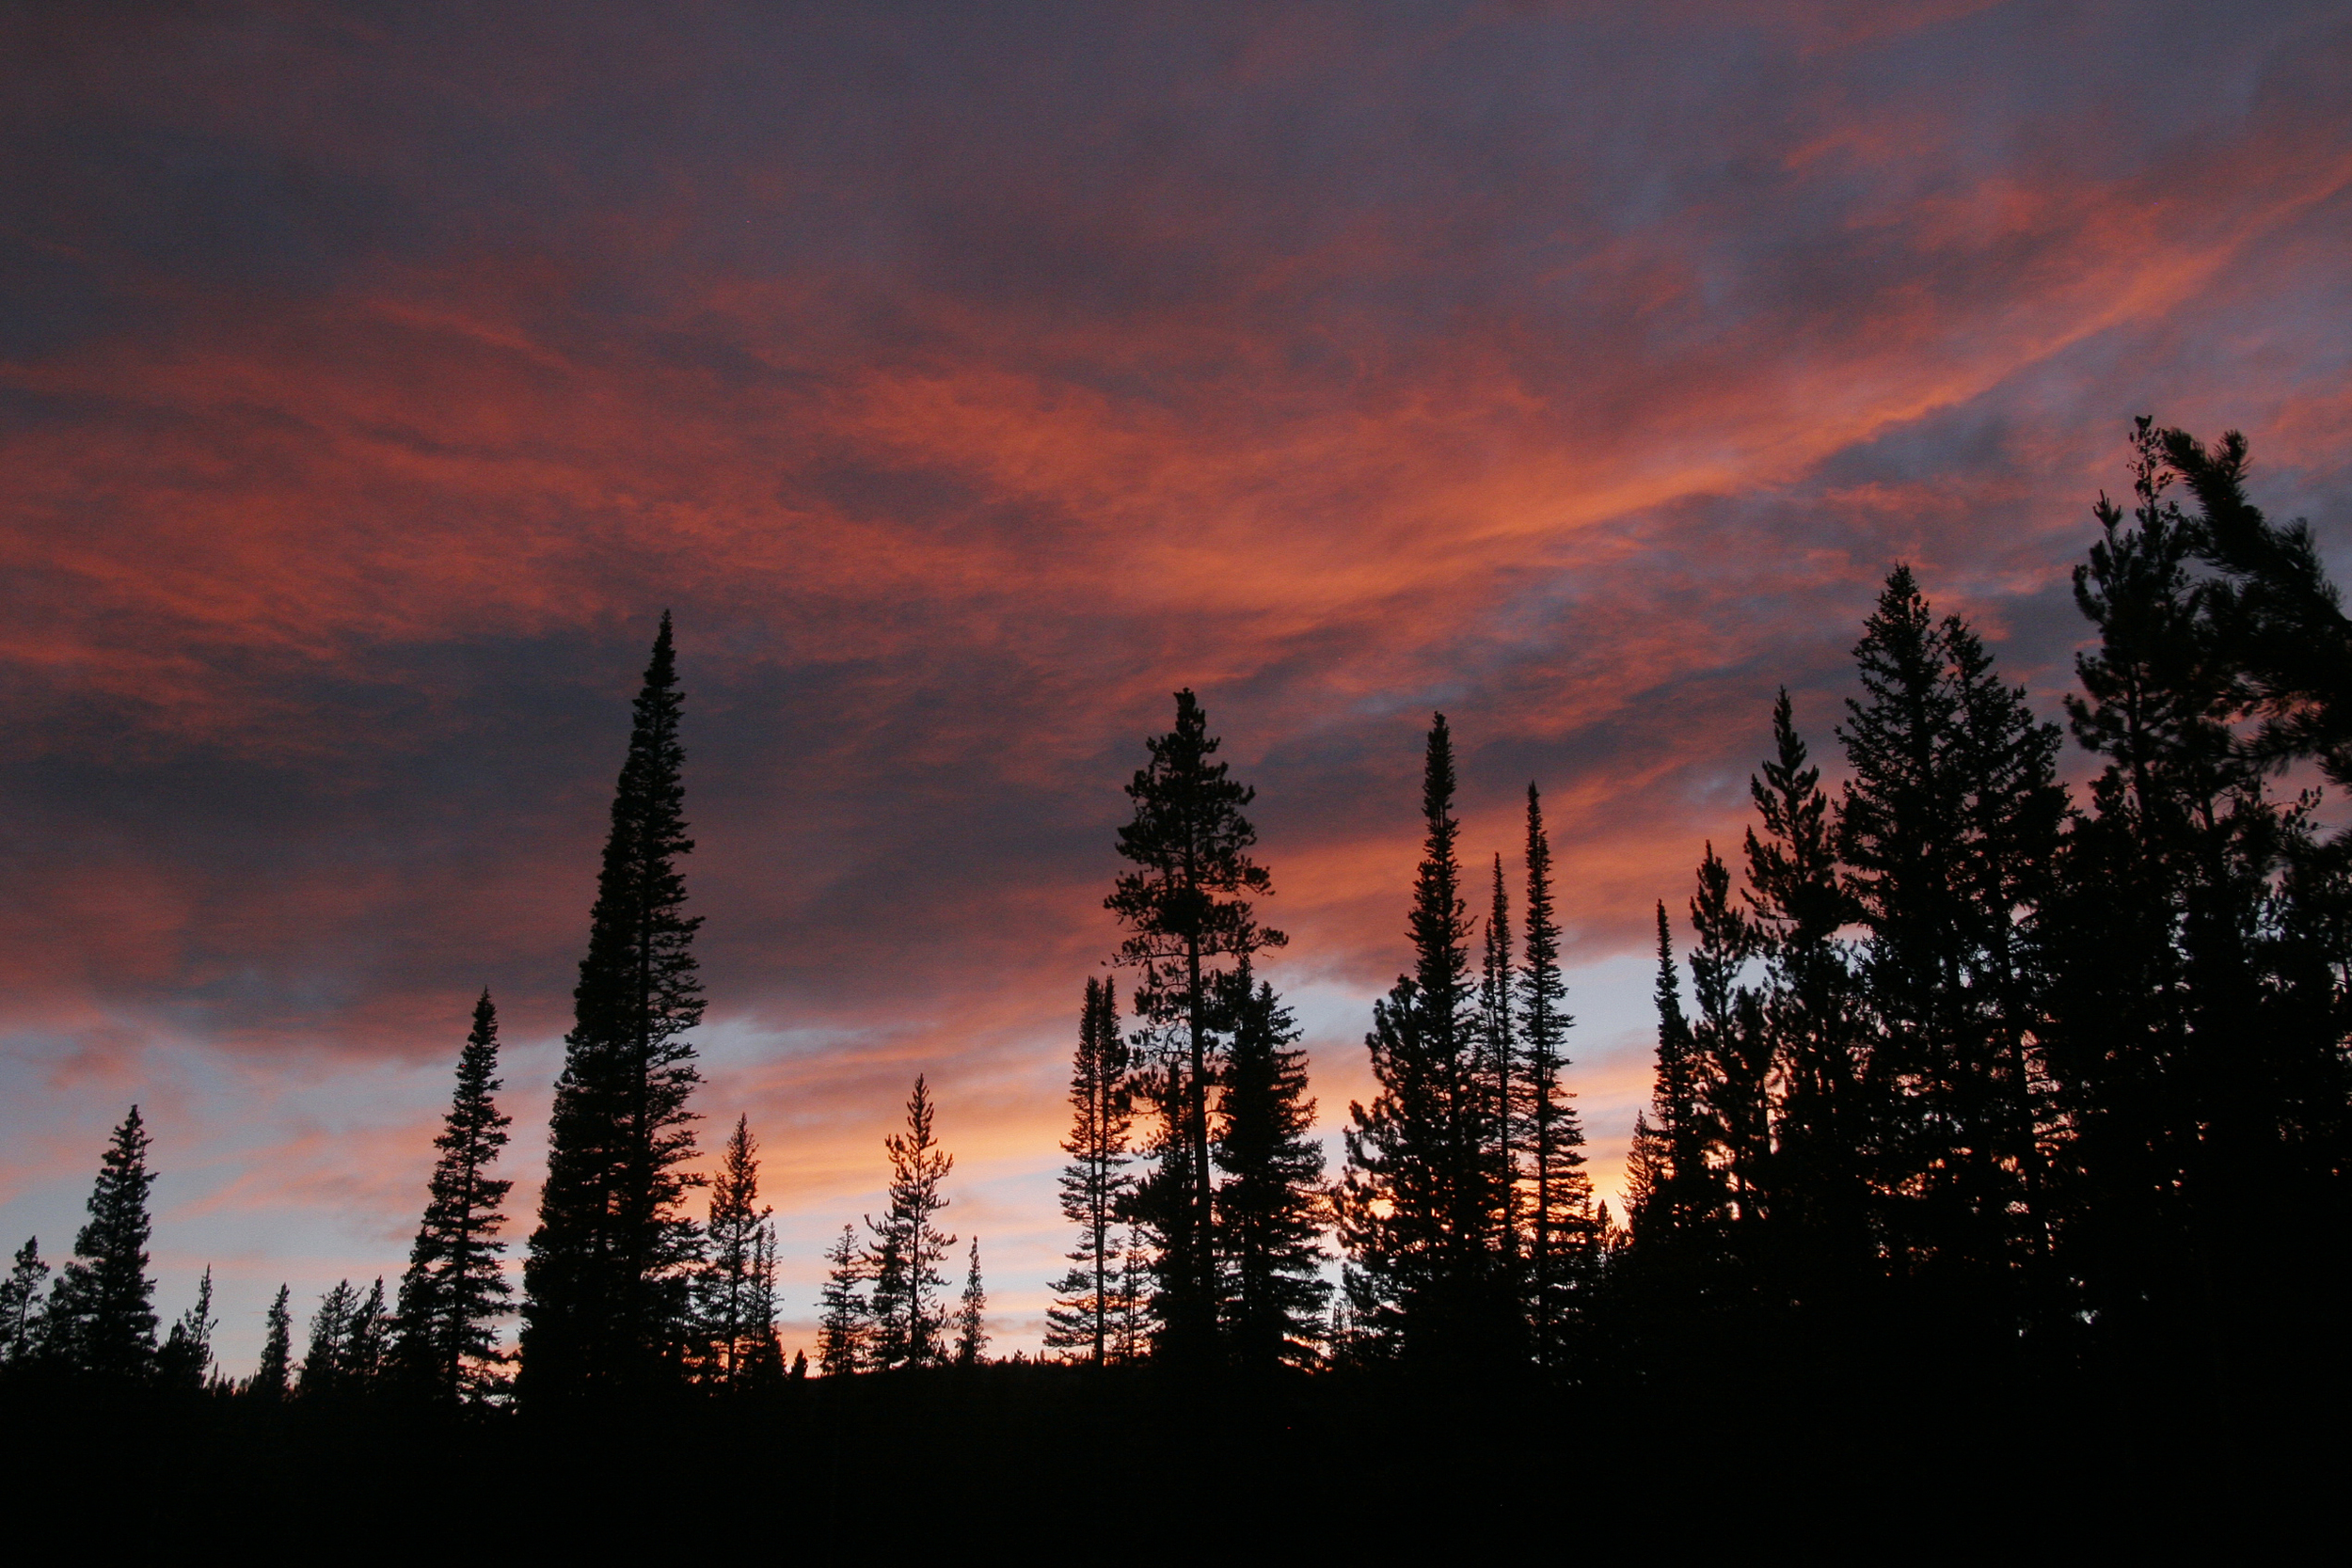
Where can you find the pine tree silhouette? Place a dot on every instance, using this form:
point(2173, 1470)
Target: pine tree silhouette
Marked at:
point(326, 1364)
point(2195, 943)
point(605, 1281)
point(1949, 824)
point(185, 1361)
point(1559, 1246)
point(100, 1318)
point(1797, 907)
point(845, 1325)
point(735, 1291)
point(1498, 1085)
point(1417, 1201)
point(1731, 1052)
point(445, 1335)
point(271, 1375)
point(1186, 906)
point(904, 1258)
point(972, 1315)
point(1271, 1200)
point(1095, 1185)
point(20, 1299)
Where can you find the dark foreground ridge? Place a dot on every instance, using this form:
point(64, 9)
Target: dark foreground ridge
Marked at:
point(1951, 1453)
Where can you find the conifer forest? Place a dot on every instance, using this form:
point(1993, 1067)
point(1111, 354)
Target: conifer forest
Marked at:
point(1422, 778)
point(1968, 1088)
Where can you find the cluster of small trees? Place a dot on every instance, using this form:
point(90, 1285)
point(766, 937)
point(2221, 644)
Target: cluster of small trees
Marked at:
point(882, 1307)
point(1966, 1053)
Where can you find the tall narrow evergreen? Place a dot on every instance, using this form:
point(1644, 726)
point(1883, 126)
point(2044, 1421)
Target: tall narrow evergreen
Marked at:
point(1823, 1124)
point(1498, 1085)
point(844, 1322)
point(1094, 1184)
point(972, 1314)
point(271, 1373)
point(1560, 1195)
point(1270, 1202)
point(1134, 1336)
point(904, 1256)
point(100, 1318)
point(1731, 1049)
point(454, 1289)
point(606, 1284)
point(186, 1359)
point(734, 1300)
point(1186, 906)
point(1417, 1201)
point(20, 1302)
point(1680, 1195)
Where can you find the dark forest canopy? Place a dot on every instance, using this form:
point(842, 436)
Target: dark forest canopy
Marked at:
point(1952, 1067)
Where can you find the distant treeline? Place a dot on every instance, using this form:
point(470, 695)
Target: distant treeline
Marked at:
point(1967, 1070)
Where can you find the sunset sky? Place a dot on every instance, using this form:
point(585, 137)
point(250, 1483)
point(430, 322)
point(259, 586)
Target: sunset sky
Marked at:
point(966, 379)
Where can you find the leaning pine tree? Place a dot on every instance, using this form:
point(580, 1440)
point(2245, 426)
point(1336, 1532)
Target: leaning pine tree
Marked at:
point(1083, 1319)
point(455, 1289)
point(101, 1315)
point(1183, 911)
point(606, 1284)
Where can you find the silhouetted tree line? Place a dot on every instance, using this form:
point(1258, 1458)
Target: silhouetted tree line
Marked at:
point(1965, 1065)
point(2057, 1080)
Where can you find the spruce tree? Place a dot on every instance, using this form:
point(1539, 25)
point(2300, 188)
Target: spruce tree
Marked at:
point(1417, 1203)
point(1681, 1198)
point(1499, 1086)
point(454, 1289)
point(1186, 906)
point(1731, 1051)
point(1949, 823)
point(1797, 905)
point(100, 1318)
point(270, 1379)
point(1559, 1225)
point(21, 1302)
point(904, 1256)
point(367, 1350)
point(972, 1314)
point(186, 1359)
point(1095, 1185)
point(1134, 1336)
point(325, 1365)
point(606, 1283)
point(844, 1322)
point(1271, 1200)
point(733, 1285)
point(762, 1360)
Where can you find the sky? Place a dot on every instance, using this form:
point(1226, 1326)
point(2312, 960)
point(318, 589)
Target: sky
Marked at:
point(966, 379)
